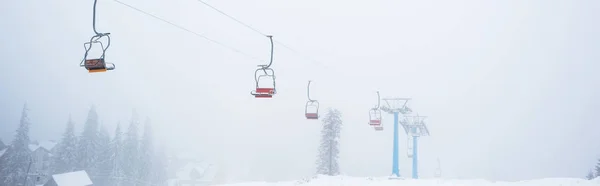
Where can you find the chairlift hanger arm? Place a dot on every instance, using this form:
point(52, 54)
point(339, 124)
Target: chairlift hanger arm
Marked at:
point(308, 91)
point(271, 59)
point(378, 100)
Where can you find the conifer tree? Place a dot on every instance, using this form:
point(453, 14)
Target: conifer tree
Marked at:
point(65, 159)
point(590, 175)
point(327, 159)
point(102, 166)
point(598, 168)
point(117, 158)
point(146, 153)
point(15, 163)
point(88, 143)
point(131, 151)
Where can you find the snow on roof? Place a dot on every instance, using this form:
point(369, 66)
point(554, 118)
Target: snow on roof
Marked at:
point(48, 145)
point(78, 178)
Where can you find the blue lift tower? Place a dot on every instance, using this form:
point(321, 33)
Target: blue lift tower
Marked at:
point(396, 106)
point(415, 127)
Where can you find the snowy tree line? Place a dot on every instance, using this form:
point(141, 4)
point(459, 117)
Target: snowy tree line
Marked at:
point(126, 159)
point(595, 173)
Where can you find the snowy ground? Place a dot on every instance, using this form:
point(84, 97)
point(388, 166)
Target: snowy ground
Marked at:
point(356, 181)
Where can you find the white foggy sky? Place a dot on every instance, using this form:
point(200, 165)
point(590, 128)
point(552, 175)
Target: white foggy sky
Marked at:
point(510, 87)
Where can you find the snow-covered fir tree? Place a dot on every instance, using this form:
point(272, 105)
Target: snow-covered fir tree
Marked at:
point(327, 159)
point(16, 161)
point(598, 168)
point(88, 143)
point(590, 175)
point(146, 153)
point(65, 159)
point(131, 152)
point(102, 166)
point(117, 158)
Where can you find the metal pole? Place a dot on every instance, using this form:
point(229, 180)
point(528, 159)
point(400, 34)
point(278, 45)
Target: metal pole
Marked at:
point(395, 168)
point(415, 174)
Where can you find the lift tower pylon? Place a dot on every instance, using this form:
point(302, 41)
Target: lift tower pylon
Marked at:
point(414, 127)
point(396, 106)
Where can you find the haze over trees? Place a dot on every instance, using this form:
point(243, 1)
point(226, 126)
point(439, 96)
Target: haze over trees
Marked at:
point(109, 161)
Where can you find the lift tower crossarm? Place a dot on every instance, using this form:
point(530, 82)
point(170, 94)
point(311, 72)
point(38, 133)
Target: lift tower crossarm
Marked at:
point(415, 125)
point(396, 105)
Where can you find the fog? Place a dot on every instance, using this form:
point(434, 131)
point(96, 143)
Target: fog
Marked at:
point(510, 88)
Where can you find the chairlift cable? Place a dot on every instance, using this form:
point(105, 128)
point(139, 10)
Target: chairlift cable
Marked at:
point(259, 32)
point(188, 30)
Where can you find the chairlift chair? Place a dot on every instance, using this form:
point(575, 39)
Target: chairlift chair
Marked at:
point(311, 109)
point(99, 64)
point(313, 106)
point(265, 92)
point(374, 117)
point(375, 114)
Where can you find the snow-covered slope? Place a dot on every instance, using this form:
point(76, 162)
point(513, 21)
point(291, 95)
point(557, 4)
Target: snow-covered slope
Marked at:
point(355, 181)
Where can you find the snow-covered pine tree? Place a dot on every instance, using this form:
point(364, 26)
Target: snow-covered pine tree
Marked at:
point(327, 159)
point(131, 152)
point(66, 157)
point(146, 153)
point(590, 175)
point(87, 143)
point(102, 166)
point(598, 168)
point(117, 158)
point(17, 159)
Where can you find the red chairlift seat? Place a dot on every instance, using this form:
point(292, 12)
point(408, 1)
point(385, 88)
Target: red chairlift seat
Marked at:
point(264, 92)
point(97, 65)
point(312, 115)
